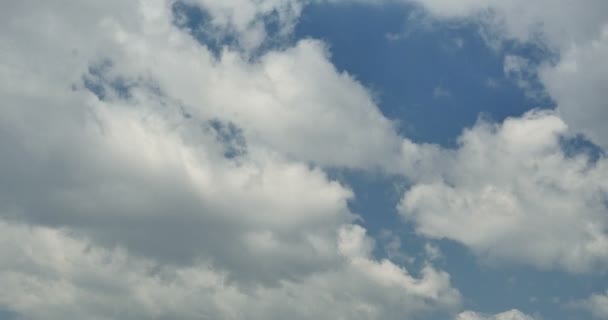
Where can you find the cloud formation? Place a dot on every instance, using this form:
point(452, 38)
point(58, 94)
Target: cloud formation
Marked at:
point(511, 193)
point(146, 174)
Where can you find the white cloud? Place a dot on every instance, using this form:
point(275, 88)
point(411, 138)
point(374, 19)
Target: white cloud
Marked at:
point(272, 99)
point(507, 315)
point(194, 187)
point(557, 23)
point(578, 83)
point(48, 274)
point(511, 194)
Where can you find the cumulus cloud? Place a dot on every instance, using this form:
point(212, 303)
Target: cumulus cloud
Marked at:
point(146, 177)
point(49, 274)
point(511, 193)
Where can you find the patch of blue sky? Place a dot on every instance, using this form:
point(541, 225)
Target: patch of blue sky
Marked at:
point(580, 145)
point(102, 85)
point(230, 136)
point(376, 199)
point(8, 315)
point(198, 23)
point(434, 80)
point(494, 288)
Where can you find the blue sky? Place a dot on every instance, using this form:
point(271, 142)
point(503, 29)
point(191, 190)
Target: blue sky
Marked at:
point(291, 159)
point(423, 72)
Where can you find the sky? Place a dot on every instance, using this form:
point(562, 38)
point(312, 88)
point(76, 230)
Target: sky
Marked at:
point(304, 159)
